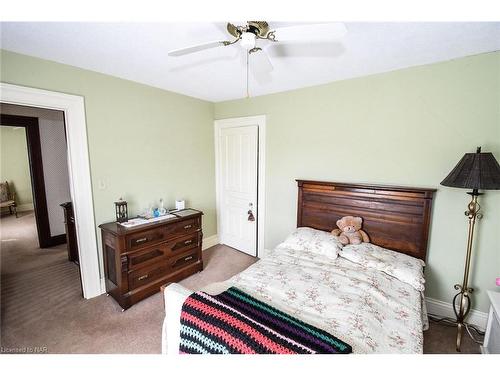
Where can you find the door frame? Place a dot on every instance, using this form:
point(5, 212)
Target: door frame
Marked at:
point(236, 122)
point(73, 107)
point(31, 126)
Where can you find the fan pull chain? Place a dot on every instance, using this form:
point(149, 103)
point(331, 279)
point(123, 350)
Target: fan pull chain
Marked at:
point(248, 91)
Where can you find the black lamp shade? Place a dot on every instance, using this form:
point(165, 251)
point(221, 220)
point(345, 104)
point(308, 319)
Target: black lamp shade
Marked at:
point(476, 171)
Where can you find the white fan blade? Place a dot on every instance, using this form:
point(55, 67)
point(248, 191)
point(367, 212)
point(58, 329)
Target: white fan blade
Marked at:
point(311, 33)
point(260, 61)
point(196, 48)
point(260, 66)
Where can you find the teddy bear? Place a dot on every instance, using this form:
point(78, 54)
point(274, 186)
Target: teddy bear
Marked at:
point(350, 231)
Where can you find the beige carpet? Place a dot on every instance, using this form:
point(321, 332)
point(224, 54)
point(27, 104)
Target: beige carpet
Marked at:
point(41, 305)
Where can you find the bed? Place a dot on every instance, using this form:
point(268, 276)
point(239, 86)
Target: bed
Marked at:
point(367, 307)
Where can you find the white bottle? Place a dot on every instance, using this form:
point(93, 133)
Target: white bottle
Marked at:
point(162, 209)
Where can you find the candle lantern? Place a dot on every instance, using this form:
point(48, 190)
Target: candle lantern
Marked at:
point(121, 211)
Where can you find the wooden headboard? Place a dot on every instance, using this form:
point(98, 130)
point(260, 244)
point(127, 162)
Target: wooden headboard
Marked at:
point(397, 218)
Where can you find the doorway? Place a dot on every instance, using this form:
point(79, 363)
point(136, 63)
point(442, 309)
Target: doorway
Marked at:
point(49, 229)
point(35, 171)
point(33, 258)
point(79, 172)
point(240, 161)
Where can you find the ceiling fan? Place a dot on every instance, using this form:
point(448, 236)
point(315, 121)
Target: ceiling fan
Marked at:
point(259, 32)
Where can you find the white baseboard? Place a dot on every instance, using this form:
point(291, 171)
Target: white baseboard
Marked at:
point(103, 285)
point(209, 242)
point(25, 207)
point(437, 307)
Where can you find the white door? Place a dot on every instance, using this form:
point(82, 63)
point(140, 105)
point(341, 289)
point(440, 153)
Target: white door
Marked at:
point(238, 163)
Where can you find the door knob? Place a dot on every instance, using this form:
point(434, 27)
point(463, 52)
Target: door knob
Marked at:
point(250, 216)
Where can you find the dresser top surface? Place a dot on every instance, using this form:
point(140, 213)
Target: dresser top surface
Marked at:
point(119, 230)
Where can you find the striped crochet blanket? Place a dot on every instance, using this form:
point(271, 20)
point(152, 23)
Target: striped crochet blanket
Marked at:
point(234, 322)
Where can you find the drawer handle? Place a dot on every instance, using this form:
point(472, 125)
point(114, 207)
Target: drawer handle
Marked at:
point(141, 240)
point(182, 260)
point(143, 277)
point(188, 242)
point(187, 226)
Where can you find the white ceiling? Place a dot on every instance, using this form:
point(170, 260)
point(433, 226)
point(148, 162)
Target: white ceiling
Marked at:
point(138, 52)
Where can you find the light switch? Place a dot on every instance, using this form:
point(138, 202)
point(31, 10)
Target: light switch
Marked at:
point(102, 184)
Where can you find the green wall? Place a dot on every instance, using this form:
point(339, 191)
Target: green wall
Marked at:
point(14, 164)
point(407, 127)
point(144, 143)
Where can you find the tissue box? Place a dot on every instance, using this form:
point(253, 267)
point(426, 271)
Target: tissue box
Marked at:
point(180, 205)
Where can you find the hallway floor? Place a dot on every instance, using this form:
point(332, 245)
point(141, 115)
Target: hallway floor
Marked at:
point(36, 285)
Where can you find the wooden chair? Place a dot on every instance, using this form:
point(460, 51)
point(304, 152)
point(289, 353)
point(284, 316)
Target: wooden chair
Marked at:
point(7, 198)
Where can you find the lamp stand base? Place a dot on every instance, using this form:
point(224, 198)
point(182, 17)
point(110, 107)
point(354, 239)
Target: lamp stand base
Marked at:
point(463, 310)
point(464, 292)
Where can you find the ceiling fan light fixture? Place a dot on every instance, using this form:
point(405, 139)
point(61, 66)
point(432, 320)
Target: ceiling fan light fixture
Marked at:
point(247, 40)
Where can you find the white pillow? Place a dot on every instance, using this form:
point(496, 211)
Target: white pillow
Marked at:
point(313, 241)
point(403, 267)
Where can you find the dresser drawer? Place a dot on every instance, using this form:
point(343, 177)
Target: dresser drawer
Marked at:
point(146, 275)
point(183, 227)
point(182, 260)
point(150, 255)
point(148, 237)
point(184, 243)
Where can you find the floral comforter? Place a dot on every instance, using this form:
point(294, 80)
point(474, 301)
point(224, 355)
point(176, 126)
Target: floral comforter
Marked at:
point(367, 308)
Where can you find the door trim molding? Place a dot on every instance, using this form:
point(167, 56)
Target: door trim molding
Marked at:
point(73, 107)
point(260, 121)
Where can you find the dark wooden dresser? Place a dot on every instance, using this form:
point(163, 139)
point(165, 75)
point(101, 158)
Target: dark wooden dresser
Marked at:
point(137, 261)
point(69, 222)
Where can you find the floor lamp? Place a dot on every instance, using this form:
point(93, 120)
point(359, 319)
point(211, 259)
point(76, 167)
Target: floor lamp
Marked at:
point(476, 171)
